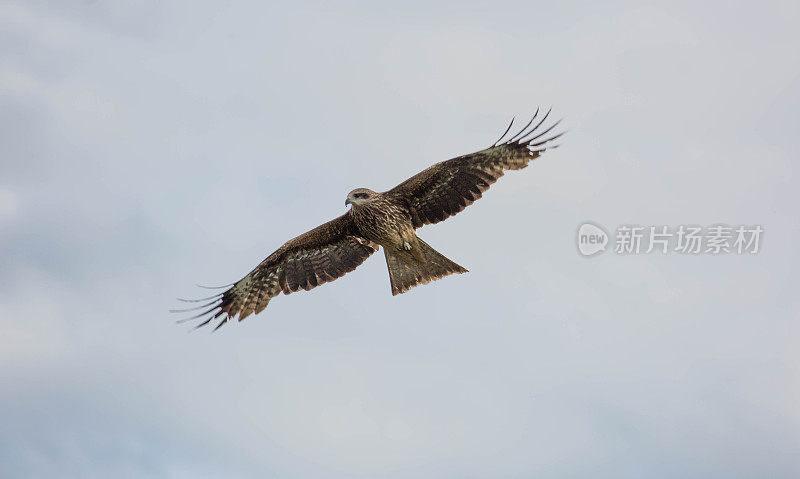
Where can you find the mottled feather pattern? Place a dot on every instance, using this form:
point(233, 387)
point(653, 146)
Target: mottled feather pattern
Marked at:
point(308, 268)
point(314, 258)
point(448, 187)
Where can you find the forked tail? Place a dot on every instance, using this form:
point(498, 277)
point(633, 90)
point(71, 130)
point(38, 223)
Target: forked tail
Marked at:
point(405, 272)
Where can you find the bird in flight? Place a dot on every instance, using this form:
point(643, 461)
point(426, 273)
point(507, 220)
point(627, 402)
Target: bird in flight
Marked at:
point(387, 219)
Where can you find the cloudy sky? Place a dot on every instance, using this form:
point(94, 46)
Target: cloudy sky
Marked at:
point(151, 146)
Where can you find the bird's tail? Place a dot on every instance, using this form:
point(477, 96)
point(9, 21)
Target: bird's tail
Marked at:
point(405, 271)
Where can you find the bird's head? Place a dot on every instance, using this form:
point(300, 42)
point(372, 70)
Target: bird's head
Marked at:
point(359, 196)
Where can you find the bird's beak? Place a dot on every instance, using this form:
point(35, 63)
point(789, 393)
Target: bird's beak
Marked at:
point(347, 202)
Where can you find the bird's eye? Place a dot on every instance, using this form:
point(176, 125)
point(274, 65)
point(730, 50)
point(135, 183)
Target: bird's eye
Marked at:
point(360, 195)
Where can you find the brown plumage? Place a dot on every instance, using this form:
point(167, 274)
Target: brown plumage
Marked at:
point(388, 219)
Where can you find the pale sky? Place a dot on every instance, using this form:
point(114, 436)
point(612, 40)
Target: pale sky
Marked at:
point(151, 146)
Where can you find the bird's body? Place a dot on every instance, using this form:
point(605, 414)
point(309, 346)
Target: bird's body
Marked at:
point(388, 219)
point(385, 221)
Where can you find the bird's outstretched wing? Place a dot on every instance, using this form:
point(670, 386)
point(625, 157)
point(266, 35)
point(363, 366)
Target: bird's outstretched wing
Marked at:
point(448, 187)
point(323, 254)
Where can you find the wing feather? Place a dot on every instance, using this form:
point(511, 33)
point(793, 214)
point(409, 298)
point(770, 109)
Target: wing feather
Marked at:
point(448, 187)
point(319, 256)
